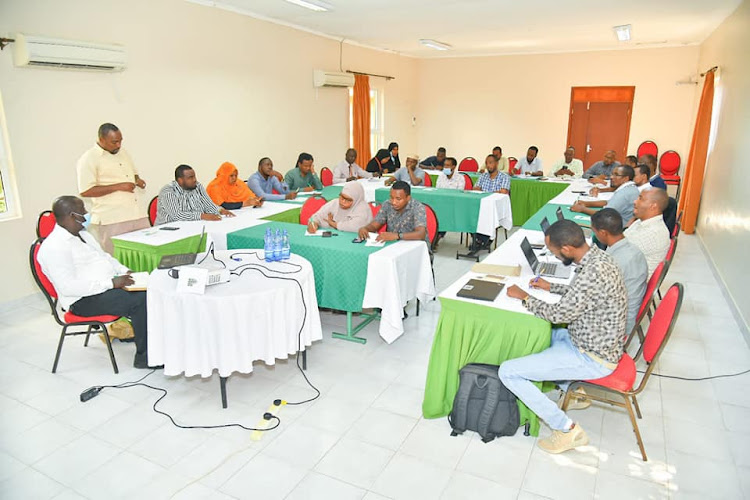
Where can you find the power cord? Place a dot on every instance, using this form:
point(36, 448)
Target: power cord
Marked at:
point(675, 377)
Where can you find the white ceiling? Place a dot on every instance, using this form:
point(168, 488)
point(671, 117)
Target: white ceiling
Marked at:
point(492, 27)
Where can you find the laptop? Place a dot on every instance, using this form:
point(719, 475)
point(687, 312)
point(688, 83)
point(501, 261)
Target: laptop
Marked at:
point(182, 259)
point(545, 225)
point(549, 269)
point(480, 290)
point(559, 213)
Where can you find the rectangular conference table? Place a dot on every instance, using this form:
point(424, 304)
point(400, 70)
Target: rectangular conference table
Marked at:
point(143, 249)
point(351, 276)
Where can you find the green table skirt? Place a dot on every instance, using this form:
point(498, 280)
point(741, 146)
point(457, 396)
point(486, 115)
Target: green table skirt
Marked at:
point(291, 216)
point(550, 211)
point(434, 177)
point(339, 266)
point(473, 333)
point(527, 196)
point(141, 257)
point(456, 210)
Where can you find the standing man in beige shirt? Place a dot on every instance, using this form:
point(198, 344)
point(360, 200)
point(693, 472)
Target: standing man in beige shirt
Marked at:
point(107, 176)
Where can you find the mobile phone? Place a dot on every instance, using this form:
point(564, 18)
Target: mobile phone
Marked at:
point(537, 246)
point(326, 234)
point(357, 240)
point(578, 192)
point(168, 228)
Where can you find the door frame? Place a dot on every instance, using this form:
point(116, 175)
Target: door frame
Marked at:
point(602, 94)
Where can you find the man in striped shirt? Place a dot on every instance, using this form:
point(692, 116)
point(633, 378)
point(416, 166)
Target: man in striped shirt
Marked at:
point(186, 199)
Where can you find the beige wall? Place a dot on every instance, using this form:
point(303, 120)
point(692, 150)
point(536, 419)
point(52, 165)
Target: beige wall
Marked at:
point(202, 86)
point(470, 105)
point(724, 218)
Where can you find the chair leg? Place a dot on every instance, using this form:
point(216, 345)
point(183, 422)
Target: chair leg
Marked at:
point(88, 334)
point(637, 408)
point(633, 422)
point(111, 352)
point(417, 307)
point(658, 292)
point(568, 393)
point(304, 359)
point(59, 349)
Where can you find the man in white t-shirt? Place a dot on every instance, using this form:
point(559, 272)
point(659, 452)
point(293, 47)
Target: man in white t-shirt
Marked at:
point(569, 165)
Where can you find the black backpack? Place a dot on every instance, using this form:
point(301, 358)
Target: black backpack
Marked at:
point(483, 404)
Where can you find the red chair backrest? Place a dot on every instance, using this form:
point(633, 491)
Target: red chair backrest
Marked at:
point(309, 208)
point(45, 224)
point(45, 285)
point(152, 209)
point(671, 251)
point(326, 176)
point(676, 230)
point(375, 207)
point(669, 163)
point(427, 180)
point(653, 283)
point(432, 224)
point(468, 183)
point(512, 161)
point(648, 148)
point(662, 323)
point(468, 164)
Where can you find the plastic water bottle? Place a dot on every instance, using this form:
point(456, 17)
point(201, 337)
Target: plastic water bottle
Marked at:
point(277, 246)
point(286, 250)
point(268, 245)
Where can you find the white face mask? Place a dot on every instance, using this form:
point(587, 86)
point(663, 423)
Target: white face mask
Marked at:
point(447, 171)
point(86, 219)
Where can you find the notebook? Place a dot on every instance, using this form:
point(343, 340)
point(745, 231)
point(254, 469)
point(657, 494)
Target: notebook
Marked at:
point(480, 290)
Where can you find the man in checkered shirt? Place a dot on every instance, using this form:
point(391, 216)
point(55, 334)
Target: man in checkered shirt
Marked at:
point(594, 306)
point(492, 181)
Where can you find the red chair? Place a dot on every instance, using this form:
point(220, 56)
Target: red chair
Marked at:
point(45, 224)
point(621, 381)
point(677, 229)
point(654, 282)
point(432, 225)
point(152, 209)
point(69, 320)
point(427, 180)
point(309, 208)
point(468, 164)
point(326, 176)
point(669, 166)
point(375, 208)
point(468, 183)
point(648, 148)
point(512, 161)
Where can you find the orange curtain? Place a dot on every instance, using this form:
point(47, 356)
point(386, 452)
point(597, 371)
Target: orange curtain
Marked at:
point(692, 179)
point(361, 118)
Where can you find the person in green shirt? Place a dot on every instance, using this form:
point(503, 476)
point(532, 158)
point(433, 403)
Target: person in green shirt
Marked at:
point(303, 177)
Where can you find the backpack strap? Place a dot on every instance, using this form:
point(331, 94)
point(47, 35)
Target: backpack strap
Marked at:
point(490, 405)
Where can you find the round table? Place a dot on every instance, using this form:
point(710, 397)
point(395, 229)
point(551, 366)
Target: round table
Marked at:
point(252, 317)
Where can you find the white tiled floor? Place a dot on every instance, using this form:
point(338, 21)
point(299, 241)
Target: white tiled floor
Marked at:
point(364, 437)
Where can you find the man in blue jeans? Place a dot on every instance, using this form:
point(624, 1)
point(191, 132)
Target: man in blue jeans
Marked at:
point(594, 306)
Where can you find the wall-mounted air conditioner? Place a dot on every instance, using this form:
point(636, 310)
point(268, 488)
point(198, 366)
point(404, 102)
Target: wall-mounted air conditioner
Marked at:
point(332, 79)
point(41, 51)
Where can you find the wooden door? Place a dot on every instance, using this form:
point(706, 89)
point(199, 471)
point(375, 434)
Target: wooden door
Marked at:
point(600, 121)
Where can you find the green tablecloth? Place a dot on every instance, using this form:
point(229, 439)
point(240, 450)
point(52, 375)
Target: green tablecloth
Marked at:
point(340, 266)
point(331, 192)
point(549, 210)
point(291, 216)
point(142, 257)
point(529, 195)
point(456, 211)
point(473, 333)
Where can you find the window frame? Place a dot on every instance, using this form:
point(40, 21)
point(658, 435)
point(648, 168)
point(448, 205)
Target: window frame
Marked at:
point(7, 173)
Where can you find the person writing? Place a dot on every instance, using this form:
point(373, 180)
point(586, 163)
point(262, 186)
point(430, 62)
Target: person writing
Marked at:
point(303, 177)
point(226, 192)
point(406, 217)
point(186, 199)
point(347, 213)
point(88, 281)
point(347, 170)
point(602, 170)
point(622, 200)
point(375, 165)
point(263, 183)
point(411, 173)
point(531, 164)
point(434, 162)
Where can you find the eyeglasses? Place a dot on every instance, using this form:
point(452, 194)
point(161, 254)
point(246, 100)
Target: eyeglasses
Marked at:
point(618, 175)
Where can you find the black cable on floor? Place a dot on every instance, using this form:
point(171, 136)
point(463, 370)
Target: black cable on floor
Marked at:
point(699, 378)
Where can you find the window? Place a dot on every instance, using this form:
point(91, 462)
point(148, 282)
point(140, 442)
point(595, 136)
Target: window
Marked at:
point(9, 205)
point(376, 120)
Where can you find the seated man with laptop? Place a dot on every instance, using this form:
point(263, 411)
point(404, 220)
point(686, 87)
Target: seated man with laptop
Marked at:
point(594, 307)
point(88, 281)
point(186, 199)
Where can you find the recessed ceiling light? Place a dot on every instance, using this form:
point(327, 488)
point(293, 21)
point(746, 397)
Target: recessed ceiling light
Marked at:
point(315, 5)
point(622, 32)
point(434, 44)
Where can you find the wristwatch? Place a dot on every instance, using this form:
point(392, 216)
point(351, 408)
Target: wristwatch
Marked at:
point(400, 236)
point(525, 301)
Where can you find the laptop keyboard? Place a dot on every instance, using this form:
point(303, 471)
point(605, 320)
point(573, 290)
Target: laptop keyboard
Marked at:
point(549, 268)
point(183, 259)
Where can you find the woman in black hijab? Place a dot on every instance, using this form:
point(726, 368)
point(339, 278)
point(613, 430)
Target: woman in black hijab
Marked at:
point(377, 164)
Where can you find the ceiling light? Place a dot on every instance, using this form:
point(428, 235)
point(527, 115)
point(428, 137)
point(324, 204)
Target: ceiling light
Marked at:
point(433, 44)
point(622, 32)
point(312, 5)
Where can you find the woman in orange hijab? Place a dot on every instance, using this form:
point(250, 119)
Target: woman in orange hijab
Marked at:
point(226, 192)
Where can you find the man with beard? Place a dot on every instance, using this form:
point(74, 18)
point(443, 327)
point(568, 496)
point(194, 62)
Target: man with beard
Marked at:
point(594, 308)
point(186, 199)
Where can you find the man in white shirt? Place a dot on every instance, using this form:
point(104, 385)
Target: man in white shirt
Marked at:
point(107, 175)
point(531, 165)
point(648, 232)
point(348, 170)
point(642, 176)
point(448, 178)
point(88, 281)
point(569, 166)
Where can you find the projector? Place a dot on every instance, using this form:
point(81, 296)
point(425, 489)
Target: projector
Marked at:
point(216, 276)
